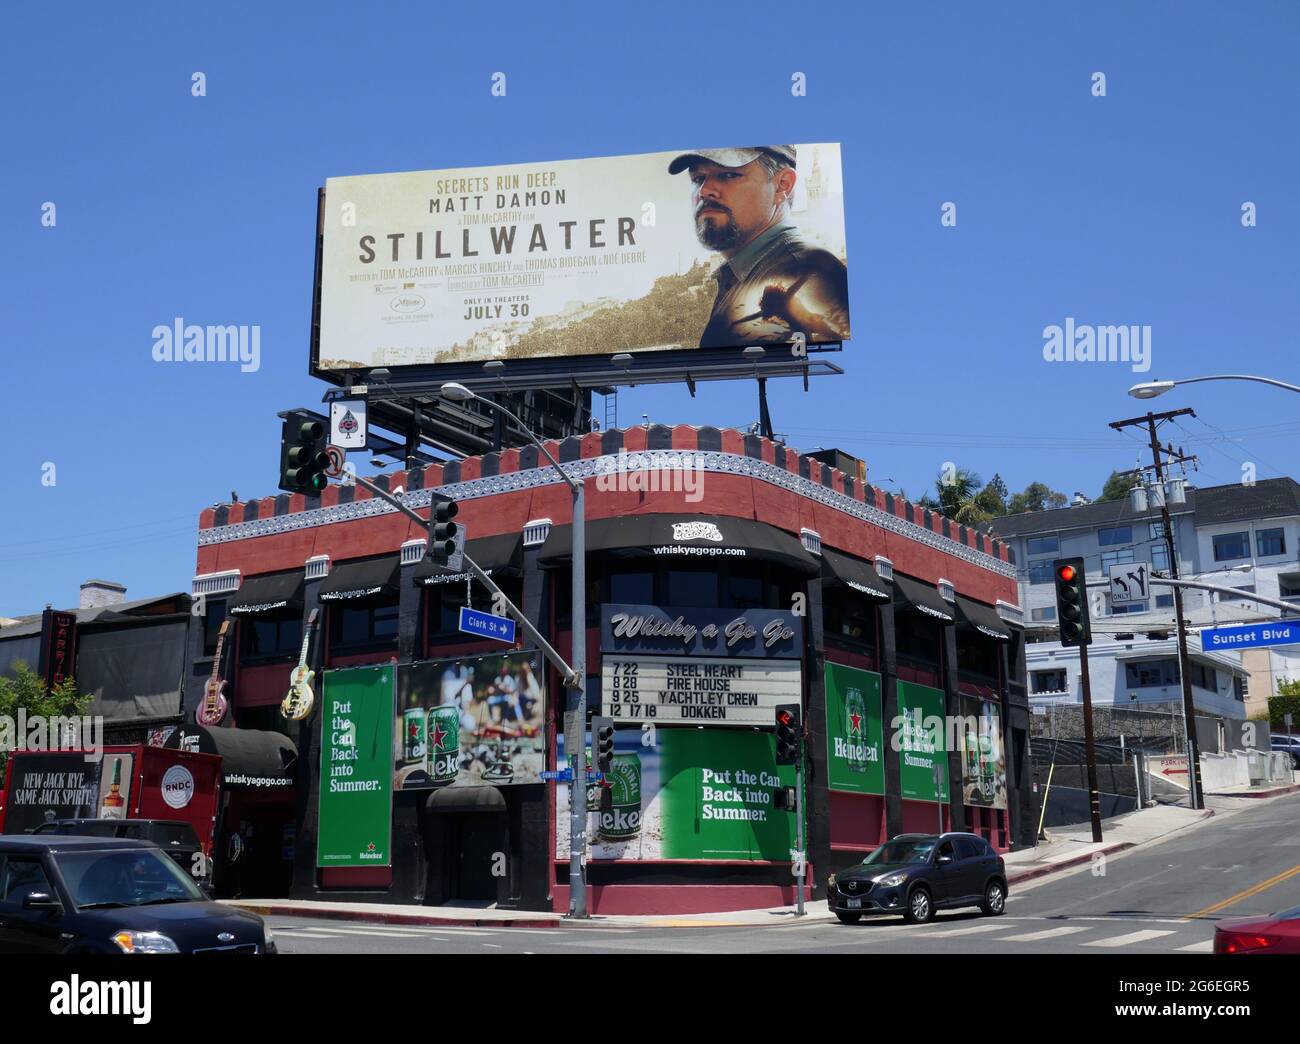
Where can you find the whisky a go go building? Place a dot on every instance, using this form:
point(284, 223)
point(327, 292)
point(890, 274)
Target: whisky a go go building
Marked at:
point(421, 773)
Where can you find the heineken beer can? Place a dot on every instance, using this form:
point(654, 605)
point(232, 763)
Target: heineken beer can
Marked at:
point(623, 821)
point(413, 735)
point(855, 718)
point(444, 743)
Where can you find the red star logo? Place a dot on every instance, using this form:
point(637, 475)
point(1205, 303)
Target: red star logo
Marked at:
point(370, 847)
point(855, 722)
point(437, 736)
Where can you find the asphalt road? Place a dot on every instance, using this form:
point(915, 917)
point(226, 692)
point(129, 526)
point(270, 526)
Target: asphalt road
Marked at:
point(1159, 898)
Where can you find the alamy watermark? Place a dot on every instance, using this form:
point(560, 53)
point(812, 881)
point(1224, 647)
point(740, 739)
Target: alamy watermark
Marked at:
point(189, 342)
point(41, 733)
point(654, 473)
point(1080, 342)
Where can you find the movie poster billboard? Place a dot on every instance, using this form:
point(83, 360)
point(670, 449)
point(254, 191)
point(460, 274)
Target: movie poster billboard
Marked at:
point(584, 257)
point(470, 721)
point(983, 756)
point(686, 793)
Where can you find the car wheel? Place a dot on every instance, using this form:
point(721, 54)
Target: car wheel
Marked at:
point(995, 899)
point(848, 918)
point(920, 907)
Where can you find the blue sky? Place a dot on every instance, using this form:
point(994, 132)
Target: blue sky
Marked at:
point(1117, 210)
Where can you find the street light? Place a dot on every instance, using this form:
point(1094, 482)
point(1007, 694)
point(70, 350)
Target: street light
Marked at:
point(576, 711)
point(1150, 389)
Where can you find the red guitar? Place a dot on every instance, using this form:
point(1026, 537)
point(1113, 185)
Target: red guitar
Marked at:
point(213, 709)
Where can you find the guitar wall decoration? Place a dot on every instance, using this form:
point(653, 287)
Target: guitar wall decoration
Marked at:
point(213, 709)
point(299, 700)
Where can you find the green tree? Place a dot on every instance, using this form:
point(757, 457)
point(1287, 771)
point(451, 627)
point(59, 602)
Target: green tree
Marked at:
point(1036, 497)
point(1285, 701)
point(1116, 487)
point(26, 689)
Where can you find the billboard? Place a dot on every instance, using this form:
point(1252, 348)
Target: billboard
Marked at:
point(470, 721)
point(983, 757)
point(584, 257)
point(687, 794)
point(855, 730)
point(356, 797)
point(921, 743)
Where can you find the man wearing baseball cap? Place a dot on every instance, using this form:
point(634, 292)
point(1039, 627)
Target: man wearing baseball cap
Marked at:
point(773, 284)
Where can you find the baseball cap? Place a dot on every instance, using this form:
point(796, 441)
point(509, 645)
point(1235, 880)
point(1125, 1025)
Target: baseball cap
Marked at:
point(732, 157)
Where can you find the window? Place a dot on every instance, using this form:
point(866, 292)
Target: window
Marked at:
point(1110, 558)
point(1146, 674)
point(1040, 572)
point(1289, 587)
point(742, 590)
point(632, 588)
point(1157, 531)
point(1047, 681)
point(1160, 557)
point(1237, 597)
point(266, 635)
point(1270, 542)
point(1164, 601)
point(849, 617)
point(918, 641)
point(1115, 535)
point(1204, 677)
point(1043, 545)
point(19, 876)
point(362, 623)
point(1228, 546)
point(1046, 613)
point(978, 654)
point(968, 848)
point(1128, 607)
point(691, 587)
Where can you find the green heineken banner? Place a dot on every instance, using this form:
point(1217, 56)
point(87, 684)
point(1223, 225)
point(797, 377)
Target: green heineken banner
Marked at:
point(920, 741)
point(356, 768)
point(686, 793)
point(855, 731)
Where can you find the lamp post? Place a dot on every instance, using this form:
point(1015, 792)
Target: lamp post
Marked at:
point(1150, 389)
point(576, 705)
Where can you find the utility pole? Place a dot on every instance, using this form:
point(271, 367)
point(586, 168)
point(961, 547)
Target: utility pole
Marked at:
point(1089, 745)
point(1158, 453)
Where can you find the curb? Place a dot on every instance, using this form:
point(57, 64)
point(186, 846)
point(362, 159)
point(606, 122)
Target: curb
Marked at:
point(1275, 792)
point(384, 917)
point(1086, 857)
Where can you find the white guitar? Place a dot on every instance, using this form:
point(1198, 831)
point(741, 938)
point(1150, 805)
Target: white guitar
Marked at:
point(299, 700)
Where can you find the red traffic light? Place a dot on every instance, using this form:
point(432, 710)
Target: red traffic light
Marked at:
point(784, 718)
point(1067, 573)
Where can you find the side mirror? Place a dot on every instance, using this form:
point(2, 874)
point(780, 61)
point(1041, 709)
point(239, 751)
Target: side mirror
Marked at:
point(944, 859)
point(41, 901)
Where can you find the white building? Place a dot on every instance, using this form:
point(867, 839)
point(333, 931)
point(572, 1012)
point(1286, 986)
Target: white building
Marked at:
point(1244, 537)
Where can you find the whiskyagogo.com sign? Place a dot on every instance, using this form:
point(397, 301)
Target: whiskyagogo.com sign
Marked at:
point(582, 257)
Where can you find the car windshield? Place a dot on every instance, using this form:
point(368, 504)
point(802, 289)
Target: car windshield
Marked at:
point(917, 851)
point(131, 877)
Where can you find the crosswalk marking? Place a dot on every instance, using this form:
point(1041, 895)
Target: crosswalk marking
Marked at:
point(970, 929)
point(1130, 939)
point(1046, 933)
point(1205, 946)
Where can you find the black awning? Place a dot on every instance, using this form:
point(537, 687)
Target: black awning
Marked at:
point(250, 758)
point(923, 597)
point(363, 578)
point(684, 538)
point(266, 594)
point(497, 555)
point(854, 573)
point(466, 799)
point(983, 619)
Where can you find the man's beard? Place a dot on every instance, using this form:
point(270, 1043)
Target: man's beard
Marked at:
point(715, 236)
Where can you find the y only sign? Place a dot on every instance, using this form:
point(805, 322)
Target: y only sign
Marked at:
point(1130, 582)
point(1270, 632)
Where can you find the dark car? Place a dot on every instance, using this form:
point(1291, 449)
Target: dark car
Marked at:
point(174, 836)
point(917, 874)
point(1288, 745)
point(1279, 933)
point(62, 894)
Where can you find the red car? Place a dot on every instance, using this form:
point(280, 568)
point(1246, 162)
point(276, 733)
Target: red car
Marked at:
point(1279, 933)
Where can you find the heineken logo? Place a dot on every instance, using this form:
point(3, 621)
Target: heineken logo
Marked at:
point(438, 736)
point(697, 531)
point(856, 751)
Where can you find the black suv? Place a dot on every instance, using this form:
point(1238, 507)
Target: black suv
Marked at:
point(174, 836)
point(917, 874)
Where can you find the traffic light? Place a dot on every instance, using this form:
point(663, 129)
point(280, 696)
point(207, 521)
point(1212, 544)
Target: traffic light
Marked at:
point(787, 734)
point(1072, 601)
point(302, 455)
point(442, 531)
point(602, 735)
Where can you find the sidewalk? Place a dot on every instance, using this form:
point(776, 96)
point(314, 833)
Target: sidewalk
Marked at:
point(1070, 846)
